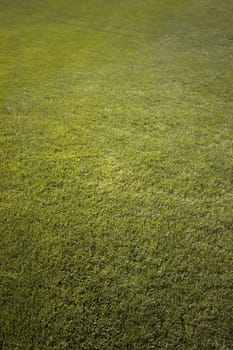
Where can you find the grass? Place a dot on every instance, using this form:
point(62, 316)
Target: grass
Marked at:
point(116, 174)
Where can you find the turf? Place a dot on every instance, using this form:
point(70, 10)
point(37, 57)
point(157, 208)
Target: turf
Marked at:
point(116, 174)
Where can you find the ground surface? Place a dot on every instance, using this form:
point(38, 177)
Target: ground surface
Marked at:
point(116, 174)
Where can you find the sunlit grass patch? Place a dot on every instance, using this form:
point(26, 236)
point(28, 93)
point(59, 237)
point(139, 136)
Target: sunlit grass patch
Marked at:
point(116, 174)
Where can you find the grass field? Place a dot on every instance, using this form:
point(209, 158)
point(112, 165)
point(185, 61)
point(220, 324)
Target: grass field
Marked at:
point(116, 174)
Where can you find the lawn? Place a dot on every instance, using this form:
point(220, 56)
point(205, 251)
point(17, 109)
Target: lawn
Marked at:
point(116, 157)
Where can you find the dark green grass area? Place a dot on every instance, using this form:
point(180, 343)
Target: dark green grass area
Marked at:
point(116, 174)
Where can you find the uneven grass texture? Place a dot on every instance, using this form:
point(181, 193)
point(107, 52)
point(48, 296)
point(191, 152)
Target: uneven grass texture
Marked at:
point(116, 174)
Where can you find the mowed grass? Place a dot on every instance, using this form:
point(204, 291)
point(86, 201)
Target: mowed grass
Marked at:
point(116, 174)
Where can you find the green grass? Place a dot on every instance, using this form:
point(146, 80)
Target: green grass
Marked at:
point(116, 174)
